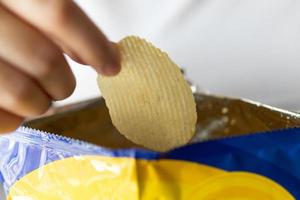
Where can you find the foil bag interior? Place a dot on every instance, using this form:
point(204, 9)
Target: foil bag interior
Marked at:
point(218, 117)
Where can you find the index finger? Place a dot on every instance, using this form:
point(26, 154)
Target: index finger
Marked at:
point(64, 20)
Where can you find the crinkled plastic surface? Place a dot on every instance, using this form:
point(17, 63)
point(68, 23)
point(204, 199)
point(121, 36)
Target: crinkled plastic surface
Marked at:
point(37, 165)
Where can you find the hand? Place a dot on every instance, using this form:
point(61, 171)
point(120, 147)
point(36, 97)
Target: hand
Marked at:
point(33, 71)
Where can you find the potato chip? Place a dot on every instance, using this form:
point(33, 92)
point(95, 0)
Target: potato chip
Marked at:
point(149, 101)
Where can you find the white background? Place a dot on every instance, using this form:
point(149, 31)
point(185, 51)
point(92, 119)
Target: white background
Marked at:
point(243, 48)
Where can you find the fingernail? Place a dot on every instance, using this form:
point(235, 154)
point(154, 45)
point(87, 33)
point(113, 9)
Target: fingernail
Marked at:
point(112, 66)
point(110, 69)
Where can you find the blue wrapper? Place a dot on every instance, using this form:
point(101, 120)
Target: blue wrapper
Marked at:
point(275, 155)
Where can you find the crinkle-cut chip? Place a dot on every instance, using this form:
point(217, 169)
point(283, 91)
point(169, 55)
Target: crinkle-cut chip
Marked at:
point(149, 101)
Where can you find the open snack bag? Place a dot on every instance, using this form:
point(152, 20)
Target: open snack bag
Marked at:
point(152, 137)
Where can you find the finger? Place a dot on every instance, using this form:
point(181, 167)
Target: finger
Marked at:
point(66, 21)
point(27, 49)
point(9, 122)
point(73, 55)
point(20, 94)
point(68, 51)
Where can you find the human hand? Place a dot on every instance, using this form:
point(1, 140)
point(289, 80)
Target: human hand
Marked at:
point(33, 71)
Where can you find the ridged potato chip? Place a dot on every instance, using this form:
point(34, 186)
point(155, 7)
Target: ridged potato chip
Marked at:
point(149, 101)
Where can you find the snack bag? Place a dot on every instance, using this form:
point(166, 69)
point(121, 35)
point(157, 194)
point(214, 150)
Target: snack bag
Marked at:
point(37, 165)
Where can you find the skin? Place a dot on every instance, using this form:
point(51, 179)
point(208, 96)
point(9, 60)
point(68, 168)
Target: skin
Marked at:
point(34, 34)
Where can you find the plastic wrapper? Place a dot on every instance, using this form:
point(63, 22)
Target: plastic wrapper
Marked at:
point(241, 150)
